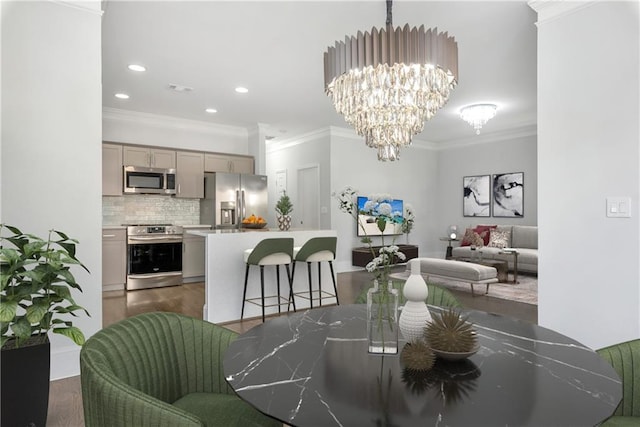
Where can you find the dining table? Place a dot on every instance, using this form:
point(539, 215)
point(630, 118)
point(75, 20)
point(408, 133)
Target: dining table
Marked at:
point(312, 368)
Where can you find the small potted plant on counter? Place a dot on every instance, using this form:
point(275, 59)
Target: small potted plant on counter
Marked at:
point(35, 298)
point(284, 207)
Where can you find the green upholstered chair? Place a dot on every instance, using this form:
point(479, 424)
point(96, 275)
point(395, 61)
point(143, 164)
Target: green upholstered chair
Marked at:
point(625, 359)
point(276, 252)
point(161, 369)
point(317, 249)
point(437, 296)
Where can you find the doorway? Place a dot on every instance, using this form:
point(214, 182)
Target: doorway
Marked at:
point(309, 197)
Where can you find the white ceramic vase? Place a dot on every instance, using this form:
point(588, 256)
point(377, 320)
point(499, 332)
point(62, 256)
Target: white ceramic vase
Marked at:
point(415, 314)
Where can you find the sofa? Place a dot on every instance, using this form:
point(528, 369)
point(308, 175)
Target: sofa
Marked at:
point(523, 238)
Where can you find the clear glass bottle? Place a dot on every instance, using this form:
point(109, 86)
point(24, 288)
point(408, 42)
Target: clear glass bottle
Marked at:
point(382, 318)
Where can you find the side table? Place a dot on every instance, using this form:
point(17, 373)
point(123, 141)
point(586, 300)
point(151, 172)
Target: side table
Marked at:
point(449, 252)
point(515, 262)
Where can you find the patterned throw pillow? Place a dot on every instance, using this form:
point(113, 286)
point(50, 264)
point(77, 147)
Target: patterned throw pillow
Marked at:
point(499, 238)
point(471, 238)
point(484, 231)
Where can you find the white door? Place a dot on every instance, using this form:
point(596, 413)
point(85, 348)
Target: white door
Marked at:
point(309, 198)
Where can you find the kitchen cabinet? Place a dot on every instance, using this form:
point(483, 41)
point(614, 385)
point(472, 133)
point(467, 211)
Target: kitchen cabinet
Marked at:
point(193, 254)
point(112, 170)
point(190, 175)
point(149, 157)
point(228, 163)
point(114, 258)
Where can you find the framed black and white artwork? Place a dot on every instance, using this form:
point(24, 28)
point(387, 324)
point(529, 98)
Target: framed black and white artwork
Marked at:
point(508, 195)
point(476, 200)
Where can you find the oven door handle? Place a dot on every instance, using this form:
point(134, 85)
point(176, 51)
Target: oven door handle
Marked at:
point(167, 239)
point(154, 275)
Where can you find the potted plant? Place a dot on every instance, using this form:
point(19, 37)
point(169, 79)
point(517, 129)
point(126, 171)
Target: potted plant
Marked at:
point(284, 207)
point(35, 299)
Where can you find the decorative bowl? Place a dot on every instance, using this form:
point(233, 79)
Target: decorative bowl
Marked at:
point(258, 225)
point(452, 355)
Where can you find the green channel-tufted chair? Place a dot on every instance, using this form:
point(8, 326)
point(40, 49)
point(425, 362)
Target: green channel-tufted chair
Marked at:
point(437, 296)
point(625, 359)
point(161, 369)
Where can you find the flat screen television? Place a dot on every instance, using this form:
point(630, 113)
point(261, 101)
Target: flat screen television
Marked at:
point(367, 225)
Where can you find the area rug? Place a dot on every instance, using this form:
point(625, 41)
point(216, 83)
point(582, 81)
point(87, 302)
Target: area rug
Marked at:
point(526, 290)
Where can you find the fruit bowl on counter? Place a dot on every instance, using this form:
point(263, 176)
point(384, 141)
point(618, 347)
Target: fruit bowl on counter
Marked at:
point(254, 222)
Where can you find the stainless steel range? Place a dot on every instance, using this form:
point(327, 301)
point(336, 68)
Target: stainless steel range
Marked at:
point(154, 256)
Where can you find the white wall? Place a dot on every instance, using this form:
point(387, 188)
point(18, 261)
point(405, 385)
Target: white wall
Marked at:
point(588, 149)
point(51, 140)
point(412, 179)
point(486, 155)
point(132, 127)
point(307, 150)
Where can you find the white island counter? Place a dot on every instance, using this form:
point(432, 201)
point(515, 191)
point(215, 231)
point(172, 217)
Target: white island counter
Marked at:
point(225, 269)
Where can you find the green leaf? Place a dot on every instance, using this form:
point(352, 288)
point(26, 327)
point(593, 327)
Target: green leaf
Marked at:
point(72, 332)
point(382, 224)
point(8, 311)
point(62, 291)
point(21, 329)
point(37, 310)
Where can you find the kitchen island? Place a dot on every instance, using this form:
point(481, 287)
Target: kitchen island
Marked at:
point(225, 269)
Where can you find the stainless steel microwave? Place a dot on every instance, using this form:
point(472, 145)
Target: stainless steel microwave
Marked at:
point(141, 180)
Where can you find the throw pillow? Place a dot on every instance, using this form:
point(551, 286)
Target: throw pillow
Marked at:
point(471, 238)
point(484, 231)
point(499, 238)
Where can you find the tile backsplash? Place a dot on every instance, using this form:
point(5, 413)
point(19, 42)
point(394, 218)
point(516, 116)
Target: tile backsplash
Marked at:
point(149, 209)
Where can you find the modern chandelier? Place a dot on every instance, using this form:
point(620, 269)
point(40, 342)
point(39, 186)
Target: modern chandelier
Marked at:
point(387, 83)
point(478, 114)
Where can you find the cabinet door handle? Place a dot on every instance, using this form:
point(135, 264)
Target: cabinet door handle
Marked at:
point(108, 235)
point(179, 191)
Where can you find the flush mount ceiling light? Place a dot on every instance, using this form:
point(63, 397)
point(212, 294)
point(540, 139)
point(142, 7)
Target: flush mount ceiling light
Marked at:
point(387, 83)
point(121, 96)
point(241, 89)
point(478, 114)
point(136, 67)
point(211, 110)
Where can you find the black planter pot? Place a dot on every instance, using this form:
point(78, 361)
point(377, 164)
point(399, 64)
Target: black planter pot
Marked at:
point(25, 385)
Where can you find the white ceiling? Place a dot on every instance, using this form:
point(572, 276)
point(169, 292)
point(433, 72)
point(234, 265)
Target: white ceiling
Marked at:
point(275, 48)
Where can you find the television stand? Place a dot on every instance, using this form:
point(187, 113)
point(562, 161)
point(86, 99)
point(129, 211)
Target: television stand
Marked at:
point(362, 256)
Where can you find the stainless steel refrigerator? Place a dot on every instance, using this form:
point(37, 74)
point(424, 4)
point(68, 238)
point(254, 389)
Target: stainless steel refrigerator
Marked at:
point(230, 197)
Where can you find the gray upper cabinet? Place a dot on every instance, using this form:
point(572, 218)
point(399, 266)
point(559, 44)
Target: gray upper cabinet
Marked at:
point(149, 157)
point(190, 175)
point(228, 163)
point(111, 170)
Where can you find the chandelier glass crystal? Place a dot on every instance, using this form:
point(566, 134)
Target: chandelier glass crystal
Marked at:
point(478, 114)
point(388, 82)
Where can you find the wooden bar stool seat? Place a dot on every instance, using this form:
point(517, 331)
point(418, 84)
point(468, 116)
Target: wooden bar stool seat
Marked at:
point(274, 252)
point(317, 250)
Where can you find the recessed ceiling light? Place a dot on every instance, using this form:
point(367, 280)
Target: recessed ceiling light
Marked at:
point(241, 89)
point(136, 67)
point(211, 110)
point(122, 96)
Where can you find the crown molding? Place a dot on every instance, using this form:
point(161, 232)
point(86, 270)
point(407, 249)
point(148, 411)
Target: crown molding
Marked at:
point(169, 122)
point(314, 135)
point(485, 138)
point(93, 7)
point(550, 10)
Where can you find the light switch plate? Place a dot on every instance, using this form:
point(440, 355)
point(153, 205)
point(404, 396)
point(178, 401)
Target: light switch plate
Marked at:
point(619, 207)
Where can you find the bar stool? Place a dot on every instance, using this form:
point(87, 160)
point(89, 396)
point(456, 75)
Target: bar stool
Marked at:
point(275, 252)
point(317, 249)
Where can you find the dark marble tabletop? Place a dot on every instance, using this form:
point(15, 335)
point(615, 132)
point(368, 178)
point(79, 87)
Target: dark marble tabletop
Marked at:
point(312, 369)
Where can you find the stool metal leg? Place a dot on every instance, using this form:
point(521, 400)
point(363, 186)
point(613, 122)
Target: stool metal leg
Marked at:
point(278, 285)
point(310, 290)
point(244, 293)
point(333, 277)
point(262, 289)
point(290, 278)
point(320, 283)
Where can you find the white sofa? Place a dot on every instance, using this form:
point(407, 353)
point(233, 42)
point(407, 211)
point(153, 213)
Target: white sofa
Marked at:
point(524, 239)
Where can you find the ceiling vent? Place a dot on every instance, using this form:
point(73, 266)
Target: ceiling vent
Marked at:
point(180, 88)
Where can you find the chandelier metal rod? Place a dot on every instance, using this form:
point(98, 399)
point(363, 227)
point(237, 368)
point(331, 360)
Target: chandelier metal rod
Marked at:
point(389, 13)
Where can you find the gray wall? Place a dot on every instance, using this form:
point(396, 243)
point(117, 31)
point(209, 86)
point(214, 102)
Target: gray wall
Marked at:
point(494, 154)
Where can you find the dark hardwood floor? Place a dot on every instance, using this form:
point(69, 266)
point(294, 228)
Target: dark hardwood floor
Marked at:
point(65, 399)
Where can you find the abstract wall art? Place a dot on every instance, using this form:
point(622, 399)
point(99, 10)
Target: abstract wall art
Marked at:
point(508, 195)
point(476, 200)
